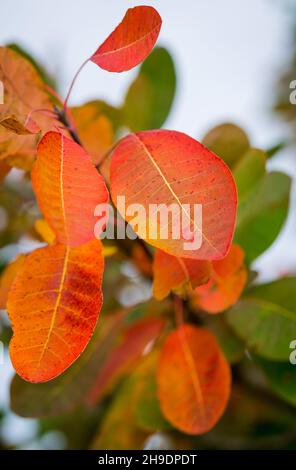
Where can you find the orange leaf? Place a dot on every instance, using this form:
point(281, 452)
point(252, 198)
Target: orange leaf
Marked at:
point(133, 344)
point(68, 188)
point(44, 230)
point(228, 279)
point(193, 380)
point(171, 273)
point(94, 129)
point(168, 167)
point(53, 306)
point(24, 92)
point(7, 278)
point(131, 42)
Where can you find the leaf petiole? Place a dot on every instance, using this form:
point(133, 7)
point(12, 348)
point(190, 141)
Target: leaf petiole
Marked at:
point(73, 83)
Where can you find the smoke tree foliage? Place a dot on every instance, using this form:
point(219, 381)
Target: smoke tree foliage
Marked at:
point(163, 365)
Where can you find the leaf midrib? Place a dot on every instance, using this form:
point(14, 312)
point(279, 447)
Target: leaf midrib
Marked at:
point(56, 306)
point(173, 192)
point(131, 44)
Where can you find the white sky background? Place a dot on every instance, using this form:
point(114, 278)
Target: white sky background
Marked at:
point(228, 53)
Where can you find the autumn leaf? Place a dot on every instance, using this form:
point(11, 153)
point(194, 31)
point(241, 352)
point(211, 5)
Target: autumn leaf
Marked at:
point(131, 42)
point(24, 92)
point(193, 380)
point(65, 182)
point(53, 306)
point(68, 390)
point(227, 280)
point(177, 274)
point(94, 128)
point(44, 231)
point(7, 278)
point(134, 342)
point(21, 125)
point(168, 167)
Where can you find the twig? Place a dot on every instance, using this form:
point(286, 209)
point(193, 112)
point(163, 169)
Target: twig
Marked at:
point(62, 117)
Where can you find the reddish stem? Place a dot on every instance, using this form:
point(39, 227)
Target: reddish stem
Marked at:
point(73, 83)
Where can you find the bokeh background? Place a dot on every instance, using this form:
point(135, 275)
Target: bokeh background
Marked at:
point(233, 59)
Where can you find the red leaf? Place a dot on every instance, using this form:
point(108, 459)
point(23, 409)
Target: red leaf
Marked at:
point(131, 42)
point(68, 188)
point(53, 306)
point(168, 167)
point(136, 338)
point(193, 380)
point(171, 273)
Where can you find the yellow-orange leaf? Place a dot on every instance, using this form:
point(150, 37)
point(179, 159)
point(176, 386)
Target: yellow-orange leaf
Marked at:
point(171, 273)
point(193, 380)
point(53, 306)
point(24, 92)
point(45, 232)
point(228, 278)
point(7, 278)
point(95, 130)
point(169, 168)
point(68, 188)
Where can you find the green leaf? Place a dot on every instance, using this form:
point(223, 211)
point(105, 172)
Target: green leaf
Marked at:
point(150, 96)
point(281, 292)
point(248, 172)
point(281, 377)
point(228, 141)
point(14, 200)
point(118, 430)
point(146, 405)
point(277, 148)
point(265, 318)
point(261, 213)
point(231, 345)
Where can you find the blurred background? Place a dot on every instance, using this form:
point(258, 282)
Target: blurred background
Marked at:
point(234, 61)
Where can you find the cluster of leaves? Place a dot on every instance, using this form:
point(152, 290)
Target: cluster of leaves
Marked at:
point(165, 365)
